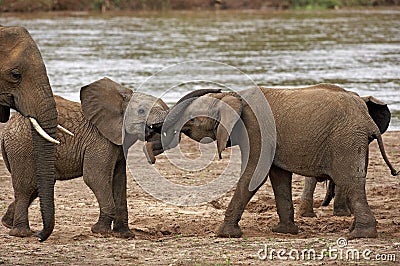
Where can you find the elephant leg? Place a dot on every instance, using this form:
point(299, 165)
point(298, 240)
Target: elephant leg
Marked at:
point(340, 206)
point(8, 218)
point(242, 195)
point(20, 226)
point(364, 221)
point(98, 178)
point(353, 185)
point(307, 198)
point(120, 226)
point(281, 181)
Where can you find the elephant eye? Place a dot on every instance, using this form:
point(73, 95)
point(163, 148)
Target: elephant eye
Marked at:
point(16, 74)
point(141, 111)
point(192, 118)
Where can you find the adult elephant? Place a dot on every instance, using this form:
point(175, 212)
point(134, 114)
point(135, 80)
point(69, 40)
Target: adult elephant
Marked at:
point(95, 152)
point(381, 115)
point(25, 87)
point(322, 131)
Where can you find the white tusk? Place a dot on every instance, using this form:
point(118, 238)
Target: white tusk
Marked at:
point(41, 131)
point(151, 126)
point(175, 131)
point(165, 134)
point(63, 129)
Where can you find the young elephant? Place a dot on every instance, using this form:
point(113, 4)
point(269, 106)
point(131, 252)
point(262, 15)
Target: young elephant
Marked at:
point(381, 115)
point(322, 131)
point(95, 152)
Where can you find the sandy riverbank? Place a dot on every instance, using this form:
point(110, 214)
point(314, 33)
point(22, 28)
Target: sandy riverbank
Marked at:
point(167, 234)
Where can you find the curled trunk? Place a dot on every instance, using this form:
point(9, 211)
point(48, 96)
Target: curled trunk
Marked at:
point(175, 113)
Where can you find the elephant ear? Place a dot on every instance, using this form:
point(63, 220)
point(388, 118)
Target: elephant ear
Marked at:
point(379, 112)
point(4, 113)
point(103, 104)
point(230, 109)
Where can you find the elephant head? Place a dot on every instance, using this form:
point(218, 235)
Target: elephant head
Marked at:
point(25, 87)
point(121, 115)
point(203, 118)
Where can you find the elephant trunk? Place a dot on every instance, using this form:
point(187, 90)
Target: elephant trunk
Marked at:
point(44, 111)
point(44, 170)
point(330, 193)
point(169, 128)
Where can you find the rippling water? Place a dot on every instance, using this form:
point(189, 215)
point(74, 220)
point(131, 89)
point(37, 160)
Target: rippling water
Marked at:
point(358, 50)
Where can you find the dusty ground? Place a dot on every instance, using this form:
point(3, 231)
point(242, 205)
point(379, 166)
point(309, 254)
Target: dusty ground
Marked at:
point(170, 235)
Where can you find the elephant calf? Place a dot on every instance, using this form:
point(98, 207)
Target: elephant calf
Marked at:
point(381, 116)
point(322, 131)
point(95, 152)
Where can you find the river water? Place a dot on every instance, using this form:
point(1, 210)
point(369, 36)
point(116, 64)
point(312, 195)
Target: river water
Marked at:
point(356, 49)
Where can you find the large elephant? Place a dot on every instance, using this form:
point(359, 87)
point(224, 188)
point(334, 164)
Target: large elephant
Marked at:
point(25, 87)
point(95, 152)
point(381, 115)
point(322, 131)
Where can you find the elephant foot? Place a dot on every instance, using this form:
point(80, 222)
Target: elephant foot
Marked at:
point(286, 228)
point(369, 232)
point(341, 212)
point(308, 214)
point(229, 230)
point(101, 228)
point(306, 209)
point(123, 231)
point(124, 234)
point(21, 232)
point(7, 221)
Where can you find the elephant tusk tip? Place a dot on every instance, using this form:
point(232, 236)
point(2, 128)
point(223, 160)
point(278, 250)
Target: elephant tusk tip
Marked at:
point(41, 131)
point(63, 129)
point(53, 141)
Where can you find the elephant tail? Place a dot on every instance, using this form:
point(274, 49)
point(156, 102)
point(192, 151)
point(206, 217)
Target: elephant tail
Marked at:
point(330, 193)
point(393, 171)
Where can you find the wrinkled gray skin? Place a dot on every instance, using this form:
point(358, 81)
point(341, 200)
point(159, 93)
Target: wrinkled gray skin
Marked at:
point(94, 152)
point(25, 87)
point(380, 113)
point(323, 132)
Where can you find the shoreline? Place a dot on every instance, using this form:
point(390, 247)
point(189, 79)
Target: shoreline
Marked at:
point(121, 12)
